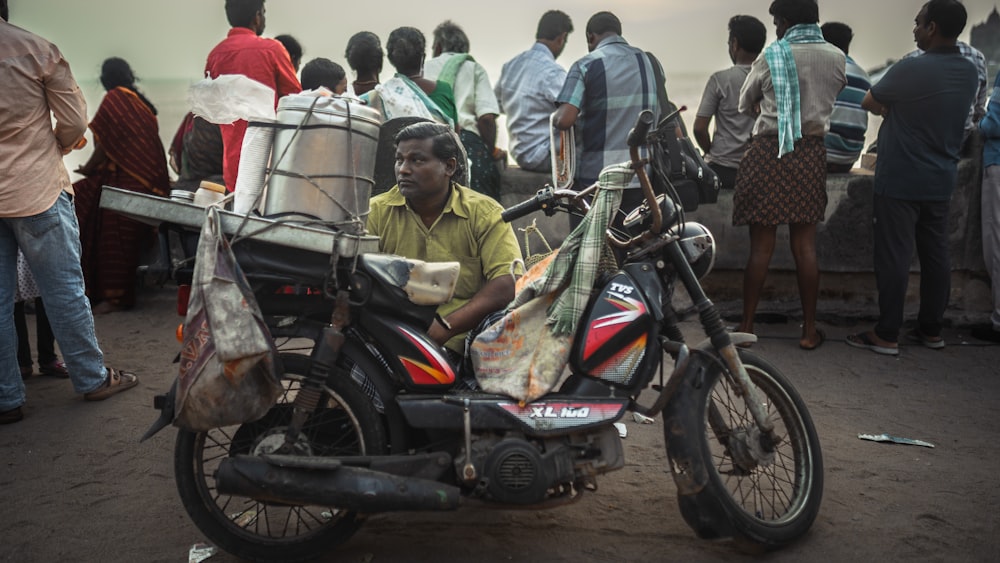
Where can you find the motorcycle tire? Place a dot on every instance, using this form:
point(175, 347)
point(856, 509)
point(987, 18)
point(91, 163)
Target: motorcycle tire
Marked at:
point(345, 424)
point(730, 483)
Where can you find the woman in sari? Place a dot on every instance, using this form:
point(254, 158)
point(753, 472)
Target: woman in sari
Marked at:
point(128, 154)
point(408, 93)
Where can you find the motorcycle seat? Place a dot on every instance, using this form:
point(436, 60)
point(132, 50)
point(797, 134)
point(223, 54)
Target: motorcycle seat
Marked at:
point(425, 283)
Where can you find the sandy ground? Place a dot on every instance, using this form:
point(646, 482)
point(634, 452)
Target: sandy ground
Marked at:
point(78, 486)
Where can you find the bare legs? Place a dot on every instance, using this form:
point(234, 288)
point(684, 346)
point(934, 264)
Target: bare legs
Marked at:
point(803, 243)
point(761, 249)
point(803, 246)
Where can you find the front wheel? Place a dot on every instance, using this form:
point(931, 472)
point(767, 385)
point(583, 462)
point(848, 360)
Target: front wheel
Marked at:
point(346, 423)
point(732, 479)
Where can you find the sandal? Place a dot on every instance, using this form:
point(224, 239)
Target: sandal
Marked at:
point(932, 342)
point(116, 382)
point(865, 340)
point(746, 344)
point(54, 368)
point(106, 307)
point(821, 339)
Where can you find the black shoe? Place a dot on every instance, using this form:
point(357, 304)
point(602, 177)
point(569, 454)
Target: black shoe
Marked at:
point(11, 416)
point(987, 333)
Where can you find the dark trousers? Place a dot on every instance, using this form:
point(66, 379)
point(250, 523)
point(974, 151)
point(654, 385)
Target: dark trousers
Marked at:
point(46, 341)
point(838, 168)
point(727, 175)
point(899, 225)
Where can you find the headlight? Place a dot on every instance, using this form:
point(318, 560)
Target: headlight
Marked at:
point(640, 218)
point(698, 246)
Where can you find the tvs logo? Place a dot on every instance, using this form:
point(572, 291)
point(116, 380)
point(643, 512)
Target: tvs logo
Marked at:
point(621, 289)
point(564, 412)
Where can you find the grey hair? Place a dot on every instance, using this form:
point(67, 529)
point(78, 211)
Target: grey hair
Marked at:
point(450, 38)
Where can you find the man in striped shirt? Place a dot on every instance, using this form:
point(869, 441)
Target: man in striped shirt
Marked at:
point(849, 121)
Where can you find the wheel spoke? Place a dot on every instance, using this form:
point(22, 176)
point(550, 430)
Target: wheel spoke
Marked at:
point(334, 429)
point(767, 489)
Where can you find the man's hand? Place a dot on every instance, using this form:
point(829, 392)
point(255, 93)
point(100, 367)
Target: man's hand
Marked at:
point(493, 296)
point(439, 333)
point(77, 146)
point(873, 105)
point(565, 116)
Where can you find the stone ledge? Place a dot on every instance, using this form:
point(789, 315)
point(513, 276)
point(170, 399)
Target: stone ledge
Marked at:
point(844, 242)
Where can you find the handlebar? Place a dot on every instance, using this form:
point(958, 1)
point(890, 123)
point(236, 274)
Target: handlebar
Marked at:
point(543, 198)
point(671, 116)
point(637, 136)
point(642, 133)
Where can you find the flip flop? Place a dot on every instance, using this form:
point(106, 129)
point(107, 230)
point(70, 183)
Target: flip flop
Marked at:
point(863, 340)
point(55, 369)
point(744, 345)
point(932, 342)
point(116, 382)
point(822, 339)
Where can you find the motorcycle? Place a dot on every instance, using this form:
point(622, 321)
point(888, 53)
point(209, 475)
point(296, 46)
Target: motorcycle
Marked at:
point(376, 419)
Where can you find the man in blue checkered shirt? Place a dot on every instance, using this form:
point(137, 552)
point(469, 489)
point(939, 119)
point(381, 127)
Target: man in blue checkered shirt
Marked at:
point(604, 93)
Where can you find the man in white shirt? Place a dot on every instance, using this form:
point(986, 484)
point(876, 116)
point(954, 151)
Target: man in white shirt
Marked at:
point(527, 90)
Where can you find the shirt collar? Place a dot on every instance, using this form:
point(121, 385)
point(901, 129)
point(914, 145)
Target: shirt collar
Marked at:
point(945, 50)
point(542, 48)
point(611, 39)
point(241, 31)
point(456, 202)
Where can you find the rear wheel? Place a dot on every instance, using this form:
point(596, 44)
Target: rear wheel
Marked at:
point(346, 423)
point(734, 481)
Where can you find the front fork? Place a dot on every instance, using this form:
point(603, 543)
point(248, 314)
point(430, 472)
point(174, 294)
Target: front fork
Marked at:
point(711, 321)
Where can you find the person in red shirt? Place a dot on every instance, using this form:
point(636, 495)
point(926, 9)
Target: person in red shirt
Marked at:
point(245, 52)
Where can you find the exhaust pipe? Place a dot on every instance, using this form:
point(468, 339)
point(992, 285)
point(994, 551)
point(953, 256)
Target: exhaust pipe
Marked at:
point(316, 481)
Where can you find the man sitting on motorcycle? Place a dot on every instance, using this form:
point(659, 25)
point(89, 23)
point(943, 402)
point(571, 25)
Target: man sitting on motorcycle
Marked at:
point(429, 216)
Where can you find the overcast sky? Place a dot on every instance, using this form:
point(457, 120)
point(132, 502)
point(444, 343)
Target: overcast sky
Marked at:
point(170, 39)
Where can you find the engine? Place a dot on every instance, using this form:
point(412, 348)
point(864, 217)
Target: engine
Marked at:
point(515, 470)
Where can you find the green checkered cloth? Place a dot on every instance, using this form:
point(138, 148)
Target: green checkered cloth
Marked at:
point(576, 265)
point(785, 78)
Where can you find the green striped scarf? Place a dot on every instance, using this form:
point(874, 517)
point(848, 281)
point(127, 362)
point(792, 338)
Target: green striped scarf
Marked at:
point(575, 266)
point(785, 78)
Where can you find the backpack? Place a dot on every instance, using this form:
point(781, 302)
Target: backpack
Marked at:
point(676, 161)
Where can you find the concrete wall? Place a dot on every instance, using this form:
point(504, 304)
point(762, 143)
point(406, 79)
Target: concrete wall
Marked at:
point(844, 246)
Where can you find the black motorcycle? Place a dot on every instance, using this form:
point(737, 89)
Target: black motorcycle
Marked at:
point(376, 419)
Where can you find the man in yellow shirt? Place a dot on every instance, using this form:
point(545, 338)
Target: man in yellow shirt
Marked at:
point(429, 217)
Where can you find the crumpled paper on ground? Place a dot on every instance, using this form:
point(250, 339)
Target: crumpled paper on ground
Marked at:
point(895, 440)
point(200, 552)
point(231, 97)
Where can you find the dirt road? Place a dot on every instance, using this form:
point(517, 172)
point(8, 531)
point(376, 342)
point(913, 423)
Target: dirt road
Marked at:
point(78, 486)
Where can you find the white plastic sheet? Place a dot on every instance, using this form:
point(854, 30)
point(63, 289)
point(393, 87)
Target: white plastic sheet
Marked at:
point(231, 97)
